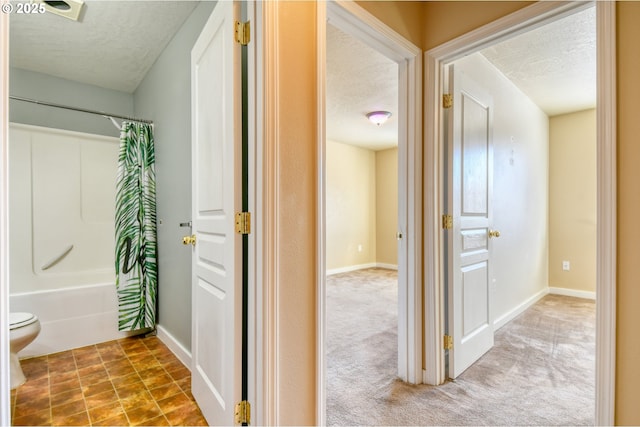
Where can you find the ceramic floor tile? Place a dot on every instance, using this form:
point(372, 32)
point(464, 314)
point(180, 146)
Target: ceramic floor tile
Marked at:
point(136, 400)
point(81, 419)
point(132, 381)
point(165, 391)
point(63, 365)
point(157, 421)
point(97, 388)
point(174, 402)
point(102, 398)
point(92, 370)
point(64, 411)
point(61, 387)
point(40, 418)
point(127, 381)
point(101, 413)
point(88, 360)
point(61, 377)
point(157, 380)
point(143, 412)
point(186, 416)
point(179, 373)
point(66, 397)
point(61, 355)
point(118, 420)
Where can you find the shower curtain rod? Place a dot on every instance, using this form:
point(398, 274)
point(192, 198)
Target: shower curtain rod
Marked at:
point(83, 110)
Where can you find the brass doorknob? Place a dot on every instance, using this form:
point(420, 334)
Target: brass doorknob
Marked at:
point(494, 233)
point(189, 240)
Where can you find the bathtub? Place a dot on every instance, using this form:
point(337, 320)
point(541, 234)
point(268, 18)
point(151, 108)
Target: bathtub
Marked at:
point(70, 318)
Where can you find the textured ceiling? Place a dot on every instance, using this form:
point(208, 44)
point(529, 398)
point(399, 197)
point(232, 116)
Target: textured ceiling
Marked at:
point(113, 45)
point(359, 80)
point(554, 65)
point(116, 42)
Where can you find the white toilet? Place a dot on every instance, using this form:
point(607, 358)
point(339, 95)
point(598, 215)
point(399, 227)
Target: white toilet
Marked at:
point(25, 327)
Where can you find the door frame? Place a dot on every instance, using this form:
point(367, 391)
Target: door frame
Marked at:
point(524, 20)
point(5, 388)
point(356, 21)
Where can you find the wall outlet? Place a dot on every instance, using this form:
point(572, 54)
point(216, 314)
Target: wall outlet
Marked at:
point(566, 265)
point(359, 248)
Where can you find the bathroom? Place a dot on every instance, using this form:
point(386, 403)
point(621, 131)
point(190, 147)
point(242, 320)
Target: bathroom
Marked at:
point(130, 59)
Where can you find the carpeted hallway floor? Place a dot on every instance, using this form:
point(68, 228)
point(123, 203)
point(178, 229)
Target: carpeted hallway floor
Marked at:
point(540, 372)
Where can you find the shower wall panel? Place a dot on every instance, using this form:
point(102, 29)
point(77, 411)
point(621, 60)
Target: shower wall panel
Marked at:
point(62, 195)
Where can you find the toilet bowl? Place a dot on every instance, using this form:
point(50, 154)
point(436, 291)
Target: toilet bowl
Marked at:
point(25, 327)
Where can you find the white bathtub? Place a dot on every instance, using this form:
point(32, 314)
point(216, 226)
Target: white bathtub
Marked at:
point(71, 317)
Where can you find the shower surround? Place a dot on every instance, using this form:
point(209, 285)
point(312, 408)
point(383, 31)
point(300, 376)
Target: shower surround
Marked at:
point(62, 195)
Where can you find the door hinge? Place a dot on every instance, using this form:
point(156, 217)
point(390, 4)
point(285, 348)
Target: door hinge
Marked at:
point(243, 32)
point(243, 222)
point(447, 100)
point(243, 412)
point(447, 222)
point(448, 342)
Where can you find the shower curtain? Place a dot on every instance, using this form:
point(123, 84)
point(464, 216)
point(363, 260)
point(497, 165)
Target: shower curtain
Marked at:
point(136, 247)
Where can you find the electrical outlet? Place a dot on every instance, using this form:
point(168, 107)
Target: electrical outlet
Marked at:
point(359, 248)
point(566, 265)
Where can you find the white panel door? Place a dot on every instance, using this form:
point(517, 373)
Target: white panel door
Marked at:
point(216, 196)
point(470, 174)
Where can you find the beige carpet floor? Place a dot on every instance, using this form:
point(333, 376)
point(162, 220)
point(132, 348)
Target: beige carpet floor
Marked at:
point(540, 372)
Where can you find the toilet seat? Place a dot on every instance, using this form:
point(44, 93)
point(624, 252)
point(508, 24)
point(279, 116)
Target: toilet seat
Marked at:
point(20, 319)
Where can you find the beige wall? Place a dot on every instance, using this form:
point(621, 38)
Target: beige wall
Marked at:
point(387, 206)
point(350, 206)
point(296, 154)
point(572, 200)
point(296, 158)
point(361, 205)
point(628, 286)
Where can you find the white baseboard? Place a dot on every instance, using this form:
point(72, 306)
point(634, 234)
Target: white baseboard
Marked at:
point(387, 266)
point(351, 268)
point(176, 347)
point(512, 314)
point(572, 293)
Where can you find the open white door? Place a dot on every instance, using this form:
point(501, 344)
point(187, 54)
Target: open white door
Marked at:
point(469, 201)
point(216, 196)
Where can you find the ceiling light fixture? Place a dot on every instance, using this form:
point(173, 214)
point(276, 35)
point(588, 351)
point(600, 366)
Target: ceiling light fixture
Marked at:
point(378, 117)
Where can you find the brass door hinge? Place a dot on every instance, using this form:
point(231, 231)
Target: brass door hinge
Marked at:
point(243, 32)
point(447, 100)
point(447, 222)
point(243, 412)
point(448, 342)
point(243, 222)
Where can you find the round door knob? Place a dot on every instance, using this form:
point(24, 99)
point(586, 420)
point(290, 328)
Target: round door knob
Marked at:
point(494, 233)
point(189, 240)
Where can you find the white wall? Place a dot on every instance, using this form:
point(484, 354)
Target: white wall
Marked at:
point(520, 205)
point(164, 96)
point(43, 87)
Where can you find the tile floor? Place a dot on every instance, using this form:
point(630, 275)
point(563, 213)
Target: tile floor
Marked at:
point(132, 381)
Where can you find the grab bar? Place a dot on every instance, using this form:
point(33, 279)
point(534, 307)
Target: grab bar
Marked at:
point(55, 260)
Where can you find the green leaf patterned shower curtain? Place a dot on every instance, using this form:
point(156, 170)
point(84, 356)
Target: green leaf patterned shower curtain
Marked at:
point(136, 243)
